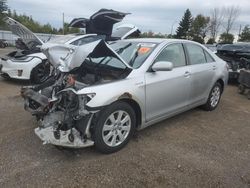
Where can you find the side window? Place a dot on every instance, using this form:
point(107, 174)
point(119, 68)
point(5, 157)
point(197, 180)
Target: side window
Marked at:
point(209, 58)
point(173, 53)
point(76, 42)
point(196, 54)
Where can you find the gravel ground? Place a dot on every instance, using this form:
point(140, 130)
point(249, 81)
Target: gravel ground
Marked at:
point(194, 149)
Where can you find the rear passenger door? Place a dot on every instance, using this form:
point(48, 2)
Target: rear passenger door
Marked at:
point(202, 67)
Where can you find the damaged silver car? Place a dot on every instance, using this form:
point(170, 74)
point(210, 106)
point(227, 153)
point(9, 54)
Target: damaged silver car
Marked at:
point(99, 93)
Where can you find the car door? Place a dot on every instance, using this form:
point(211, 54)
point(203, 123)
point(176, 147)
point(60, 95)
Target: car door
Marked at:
point(100, 23)
point(203, 69)
point(167, 91)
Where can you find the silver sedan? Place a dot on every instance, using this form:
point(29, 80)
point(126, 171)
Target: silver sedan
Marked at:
point(106, 91)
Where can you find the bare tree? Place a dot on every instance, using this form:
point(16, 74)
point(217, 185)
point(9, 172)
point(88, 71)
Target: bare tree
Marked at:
point(231, 15)
point(216, 21)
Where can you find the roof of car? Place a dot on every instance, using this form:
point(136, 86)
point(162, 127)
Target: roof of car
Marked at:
point(155, 40)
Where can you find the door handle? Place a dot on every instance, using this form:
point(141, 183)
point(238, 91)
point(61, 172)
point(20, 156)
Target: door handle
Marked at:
point(214, 67)
point(187, 74)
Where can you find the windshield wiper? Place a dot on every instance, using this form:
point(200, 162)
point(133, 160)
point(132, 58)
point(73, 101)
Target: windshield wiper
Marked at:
point(120, 50)
point(131, 62)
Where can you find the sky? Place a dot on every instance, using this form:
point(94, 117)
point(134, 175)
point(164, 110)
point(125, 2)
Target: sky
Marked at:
point(154, 15)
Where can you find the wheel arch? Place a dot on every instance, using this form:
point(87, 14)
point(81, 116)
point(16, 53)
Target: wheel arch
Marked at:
point(38, 63)
point(35, 62)
point(221, 82)
point(137, 109)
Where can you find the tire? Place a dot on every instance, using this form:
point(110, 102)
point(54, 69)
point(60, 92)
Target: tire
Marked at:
point(248, 95)
point(241, 89)
point(214, 97)
point(2, 45)
point(117, 134)
point(40, 73)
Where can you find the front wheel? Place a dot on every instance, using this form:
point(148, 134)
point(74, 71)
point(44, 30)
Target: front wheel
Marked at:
point(214, 97)
point(40, 73)
point(248, 95)
point(114, 127)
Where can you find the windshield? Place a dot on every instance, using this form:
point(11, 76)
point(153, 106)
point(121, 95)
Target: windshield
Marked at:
point(62, 39)
point(134, 53)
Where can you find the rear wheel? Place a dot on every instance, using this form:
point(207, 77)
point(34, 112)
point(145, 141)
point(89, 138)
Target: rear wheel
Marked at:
point(214, 97)
point(114, 127)
point(40, 73)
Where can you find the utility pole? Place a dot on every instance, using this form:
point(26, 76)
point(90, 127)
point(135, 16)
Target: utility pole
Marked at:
point(172, 27)
point(240, 30)
point(63, 23)
point(239, 33)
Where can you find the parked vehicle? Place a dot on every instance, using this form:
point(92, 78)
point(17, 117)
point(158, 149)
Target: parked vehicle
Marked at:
point(30, 63)
point(212, 47)
point(237, 56)
point(244, 82)
point(3, 43)
point(101, 93)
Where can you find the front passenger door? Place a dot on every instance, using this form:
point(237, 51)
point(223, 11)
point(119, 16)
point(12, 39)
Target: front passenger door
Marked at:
point(167, 91)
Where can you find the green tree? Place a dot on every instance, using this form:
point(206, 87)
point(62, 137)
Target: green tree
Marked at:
point(31, 24)
point(226, 38)
point(184, 25)
point(3, 6)
point(3, 9)
point(211, 41)
point(245, 34)
point(199, 28)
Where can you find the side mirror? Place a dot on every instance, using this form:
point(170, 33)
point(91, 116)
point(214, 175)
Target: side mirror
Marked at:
point(162, 66)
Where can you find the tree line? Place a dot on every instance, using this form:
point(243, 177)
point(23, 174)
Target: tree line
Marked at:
point(203, 27)
point(198, 28)
point(30, 23)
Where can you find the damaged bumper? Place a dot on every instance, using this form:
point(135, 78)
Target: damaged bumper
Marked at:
point(67, 127)
point(70, 138)
point(18, 69)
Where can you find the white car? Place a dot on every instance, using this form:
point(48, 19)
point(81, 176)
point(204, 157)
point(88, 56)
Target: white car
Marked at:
point(31, 63)
point(34, 66)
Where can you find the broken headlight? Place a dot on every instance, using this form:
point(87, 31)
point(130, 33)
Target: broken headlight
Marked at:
point(22, 59)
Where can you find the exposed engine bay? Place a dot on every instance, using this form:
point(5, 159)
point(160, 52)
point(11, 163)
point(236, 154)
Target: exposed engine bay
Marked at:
point(59, 109)
point(237, 57)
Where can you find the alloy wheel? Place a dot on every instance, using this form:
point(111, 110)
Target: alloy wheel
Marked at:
point(116, 128)
point(215, 96)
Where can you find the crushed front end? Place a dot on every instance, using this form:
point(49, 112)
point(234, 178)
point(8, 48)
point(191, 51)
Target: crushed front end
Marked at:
point(237, 57)
point(60, 112)
point(59, 103)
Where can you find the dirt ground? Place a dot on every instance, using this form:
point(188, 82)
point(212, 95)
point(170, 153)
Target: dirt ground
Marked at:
point(194, 149)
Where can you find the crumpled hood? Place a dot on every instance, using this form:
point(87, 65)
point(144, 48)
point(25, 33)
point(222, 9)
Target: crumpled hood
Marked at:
point(68, 57)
